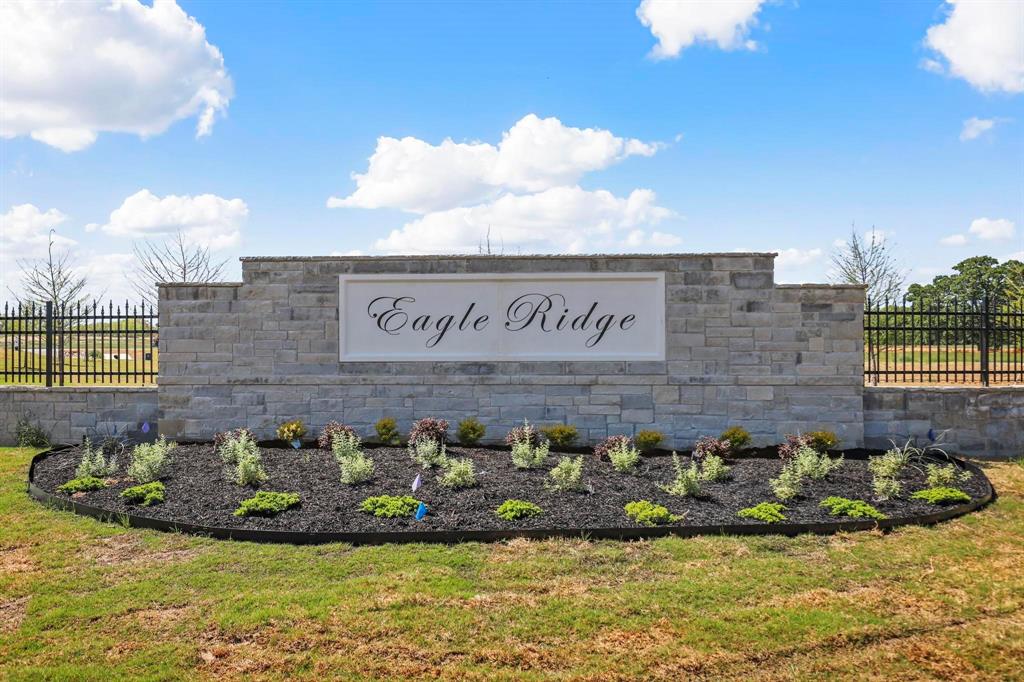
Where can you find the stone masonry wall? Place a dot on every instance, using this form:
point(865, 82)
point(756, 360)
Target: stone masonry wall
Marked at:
point(68, 413)
point(982, 422)
point(739, 350)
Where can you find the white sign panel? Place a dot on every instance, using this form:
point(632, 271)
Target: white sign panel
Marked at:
point(487, 317)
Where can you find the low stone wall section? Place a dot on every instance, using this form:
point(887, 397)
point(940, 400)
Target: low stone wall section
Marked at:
point(69, 413)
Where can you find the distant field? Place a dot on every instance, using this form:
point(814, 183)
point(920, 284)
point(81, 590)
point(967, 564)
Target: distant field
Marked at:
point(12, 362)
point(939, 365)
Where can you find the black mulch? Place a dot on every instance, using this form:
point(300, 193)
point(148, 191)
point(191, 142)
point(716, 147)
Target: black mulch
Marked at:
point(200, 490)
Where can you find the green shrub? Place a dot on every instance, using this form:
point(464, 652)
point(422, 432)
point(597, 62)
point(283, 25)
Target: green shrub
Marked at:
point(648, 439)
point(527, 455)
point(713, 469)
point(687, 480)
point(457, 473)
point(885, 470)
point(886, 488)
point(249, 469)
point(471, 431)
point(946, 476)
point(855, 509)
point(769, 512)
point(941, 495)
point(235, 445)
point(624, 457)
point(566, 475)
point(390, 506)
point(646, 513)
point(512, 510)
point(266, 503)
point(560, 435)
point(355, 468)
point(83, 484)
point(813, 464)
point(330, 430)
point(149, 460)
point(428, 453)
point(789, 483)
point(291, 430)
point(29, 435)
point(93, 463)
point(387, 431)
point(737, 436)
point(345, 444)
point(146, 494)
point(822, 441)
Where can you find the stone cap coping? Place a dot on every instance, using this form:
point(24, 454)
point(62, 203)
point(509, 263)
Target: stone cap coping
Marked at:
point(546, 256)
point(810, 285)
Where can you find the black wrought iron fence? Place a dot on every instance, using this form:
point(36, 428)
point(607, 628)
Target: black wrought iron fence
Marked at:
point(947, 342)
point(78, 344)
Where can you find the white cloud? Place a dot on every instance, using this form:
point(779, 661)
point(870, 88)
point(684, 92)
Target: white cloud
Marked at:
point(561, 219)
point(981, 42)
point(954, 240)
point(75, 69)
point(975, 127)
point(25, 230)
point(534, 155)
point(205, 219)
point(986, 228)
point(106, 275)
point(797, 258)
point(679, 24)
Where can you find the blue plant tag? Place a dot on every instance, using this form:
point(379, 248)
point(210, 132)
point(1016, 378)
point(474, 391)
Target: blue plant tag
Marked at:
point(416, 483)
point(296, 443)
point(145, 427)
point(421, 511)
point(931, 435)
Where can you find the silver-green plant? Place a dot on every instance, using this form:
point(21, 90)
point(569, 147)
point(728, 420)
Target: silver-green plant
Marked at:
point(624, 456)
point(946, 475)
point(815, 465)
point(94, 463)
point(566, 475)
point(236, 445)
point(428, 453)
point(885, 470)
point(714, 469)
point(526, 455)
point(789, 483)
point(249, 469)
point(345, 444)
point(149, 460)
point(886, 487)
point(355, 468)
point(687, 480)
point(457, 473)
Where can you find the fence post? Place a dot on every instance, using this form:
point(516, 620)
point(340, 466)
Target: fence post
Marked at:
point(49, 344)
point(985, 321)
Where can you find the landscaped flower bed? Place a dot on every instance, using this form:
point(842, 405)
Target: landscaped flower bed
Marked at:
point(462, 488)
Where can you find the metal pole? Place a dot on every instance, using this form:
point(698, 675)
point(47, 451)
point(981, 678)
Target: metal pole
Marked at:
point(49, 344)
point(984, 340)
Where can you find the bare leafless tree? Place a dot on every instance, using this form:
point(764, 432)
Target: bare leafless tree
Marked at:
point(175, 260)
point(53, 278)
point(869, 260)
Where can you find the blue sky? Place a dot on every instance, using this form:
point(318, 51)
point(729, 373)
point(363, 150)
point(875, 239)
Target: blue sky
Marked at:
point(840, 114)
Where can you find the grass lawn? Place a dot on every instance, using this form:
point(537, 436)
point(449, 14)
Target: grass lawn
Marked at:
point(80, 599)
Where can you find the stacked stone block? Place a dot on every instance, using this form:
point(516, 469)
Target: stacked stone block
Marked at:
point(69, 413)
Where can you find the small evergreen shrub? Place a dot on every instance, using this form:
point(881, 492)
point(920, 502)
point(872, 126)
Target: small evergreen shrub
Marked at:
point(83, 484)
point(222, 437)
point(29, 435)
point(249, 469)
point(512, 510)
point(330, 431)
point(355, 468)
point(429, 428)
point(646, 513)
point(428, 453)
point(707, 446)
point(94, 464)
point(291, 430)
point(811, 463)
point(526, 433)
point(946, 476)
point(822, 441)
point(528, 455)
point(560, 435)
point(855, 509)
point(566, 475)
point(769, 512)
point(149, 460)
point(387, 431)
point(789, 483)
point(713, 469)
point(265, 503)
point(687, 480)
point(471, 431)
point(941, 495)
point(602, 448)
point(146, 494)
point(624, 457)
point(648, 439)
point(457, 473)
point(390, 506)
point(235, 445)
point(737, 436)
point(345, 444)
